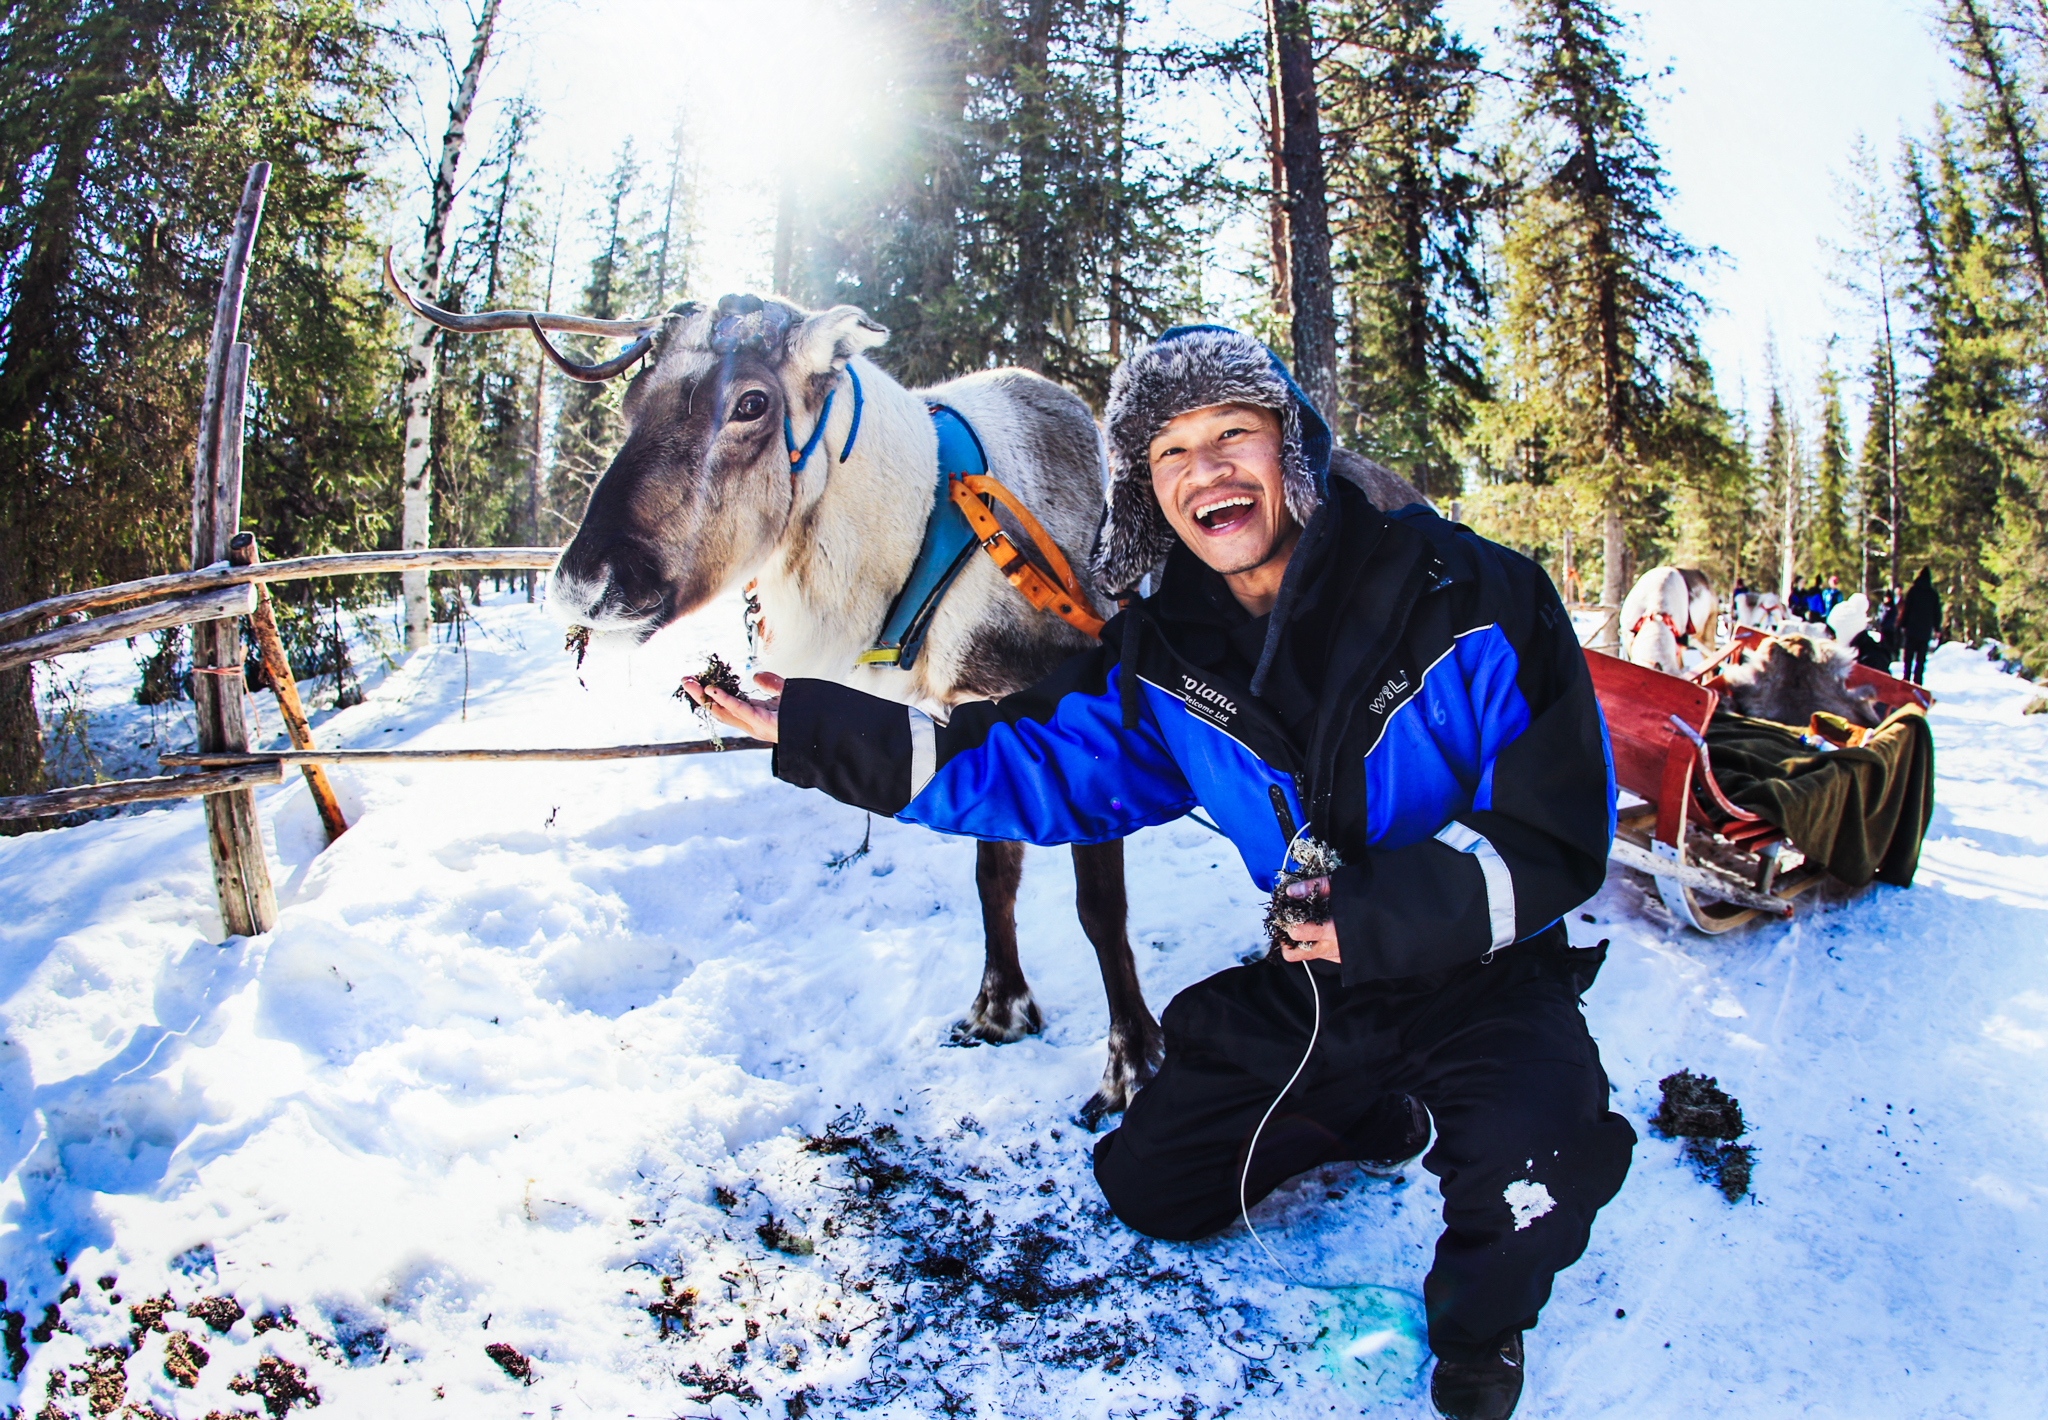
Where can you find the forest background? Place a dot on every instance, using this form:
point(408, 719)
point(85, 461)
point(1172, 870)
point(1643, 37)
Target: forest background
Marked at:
point(1464, 244)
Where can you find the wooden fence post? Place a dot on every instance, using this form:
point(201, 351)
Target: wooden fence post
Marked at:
point(242, 551)
point(241, 875)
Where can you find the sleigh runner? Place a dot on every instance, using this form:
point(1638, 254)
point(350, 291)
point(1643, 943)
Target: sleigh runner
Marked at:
point(1716, 863)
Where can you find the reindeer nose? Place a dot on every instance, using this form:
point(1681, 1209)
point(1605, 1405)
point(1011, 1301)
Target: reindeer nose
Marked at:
point(618, 577)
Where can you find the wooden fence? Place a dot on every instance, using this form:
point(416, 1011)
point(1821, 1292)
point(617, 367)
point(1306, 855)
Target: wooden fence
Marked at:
point(228, 585)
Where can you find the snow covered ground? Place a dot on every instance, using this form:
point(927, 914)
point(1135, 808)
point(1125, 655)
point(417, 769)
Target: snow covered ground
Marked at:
point(637, 1070)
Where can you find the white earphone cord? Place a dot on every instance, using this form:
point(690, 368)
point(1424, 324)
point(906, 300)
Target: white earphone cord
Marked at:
point(1315, 1030)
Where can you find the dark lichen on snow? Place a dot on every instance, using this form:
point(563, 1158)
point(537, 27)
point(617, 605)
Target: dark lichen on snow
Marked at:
point(1696, 1109)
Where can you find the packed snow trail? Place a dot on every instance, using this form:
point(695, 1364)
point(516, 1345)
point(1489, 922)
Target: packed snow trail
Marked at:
point(611, 1065)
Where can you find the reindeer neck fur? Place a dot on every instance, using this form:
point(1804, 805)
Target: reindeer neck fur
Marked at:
point(850, 544)
point(851, 537)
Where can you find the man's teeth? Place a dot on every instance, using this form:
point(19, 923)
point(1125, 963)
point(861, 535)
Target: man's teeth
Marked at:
point(1202, 514)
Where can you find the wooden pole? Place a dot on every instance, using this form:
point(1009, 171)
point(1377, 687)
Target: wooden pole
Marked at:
point(454, 756)
point(234, 834)
point(296, 569)
point(182, 611)
point(277, 667)
point(207, 533)
point(139, 791)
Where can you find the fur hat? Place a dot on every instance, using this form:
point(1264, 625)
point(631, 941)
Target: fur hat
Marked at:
point(1194, 367)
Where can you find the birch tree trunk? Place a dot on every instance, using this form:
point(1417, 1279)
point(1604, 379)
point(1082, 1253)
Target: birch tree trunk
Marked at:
point(422, 365)
point(536, 482)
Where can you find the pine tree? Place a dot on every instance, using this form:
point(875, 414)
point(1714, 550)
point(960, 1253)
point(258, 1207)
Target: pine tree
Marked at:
point(1826, 548)
point(2007, 135)
point(1874, 271)
point(484, 402)
point(1705, 453)
point(1020, 211)
point(1598, 317)
point(589, 426)
point(1879, 498)
point(2001, 120)
point(125, 133)
point(1777, 471)
point(1965, 436)
point(1399, 94)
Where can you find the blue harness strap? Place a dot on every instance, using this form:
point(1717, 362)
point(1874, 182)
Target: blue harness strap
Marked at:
point(948, 542)
point(798, 458)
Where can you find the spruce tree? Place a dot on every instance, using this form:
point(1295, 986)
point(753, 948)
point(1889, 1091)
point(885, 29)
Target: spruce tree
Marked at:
point(1016, 208)
point(125, 133)
point(589, 426)
point(1874, 270)
point(1598, 316)
point(1826, 547)
point(1777, 473)
point(1991, 42)
point(1879, 501)
point(1399, 94)
point(1965, 437)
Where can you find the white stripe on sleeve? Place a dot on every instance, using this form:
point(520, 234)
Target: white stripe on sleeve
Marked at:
point(1500, 884)
point(924, 751)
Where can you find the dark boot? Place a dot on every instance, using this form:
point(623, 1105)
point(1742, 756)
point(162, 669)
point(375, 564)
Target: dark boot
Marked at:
point(1482, 1389)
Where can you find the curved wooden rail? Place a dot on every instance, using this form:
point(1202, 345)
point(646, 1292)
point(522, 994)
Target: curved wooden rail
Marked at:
point(292, 569)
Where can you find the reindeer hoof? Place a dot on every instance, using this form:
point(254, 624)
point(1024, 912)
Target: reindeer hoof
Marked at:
point(997, 1023)
point(1128, 1071)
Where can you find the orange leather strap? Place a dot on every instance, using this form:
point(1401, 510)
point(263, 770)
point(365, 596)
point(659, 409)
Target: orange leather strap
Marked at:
point(1060, 594)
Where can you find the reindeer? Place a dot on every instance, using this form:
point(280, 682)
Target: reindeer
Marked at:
point(1668, 607)
point(709, 494)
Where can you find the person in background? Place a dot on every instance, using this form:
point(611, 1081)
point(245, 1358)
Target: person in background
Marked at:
point(1888, 630)
point(1850, 624)
point(1919, 617)
point(1830, 596)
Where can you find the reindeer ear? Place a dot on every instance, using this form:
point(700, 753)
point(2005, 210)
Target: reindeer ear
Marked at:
point(830, 338)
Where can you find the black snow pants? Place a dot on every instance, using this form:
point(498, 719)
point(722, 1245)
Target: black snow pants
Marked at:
point(1526, 1149)
point(1916, 655)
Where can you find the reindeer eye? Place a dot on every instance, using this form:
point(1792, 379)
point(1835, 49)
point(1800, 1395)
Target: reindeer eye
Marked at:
point(749, 407)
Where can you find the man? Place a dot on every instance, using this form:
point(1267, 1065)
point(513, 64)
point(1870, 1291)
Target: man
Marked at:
point(1405, 692)
point(1919, 617)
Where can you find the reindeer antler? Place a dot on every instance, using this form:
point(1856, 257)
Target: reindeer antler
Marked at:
point(641, 330)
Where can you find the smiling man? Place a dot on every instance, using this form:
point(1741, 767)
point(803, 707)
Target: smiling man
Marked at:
point(1401, 690)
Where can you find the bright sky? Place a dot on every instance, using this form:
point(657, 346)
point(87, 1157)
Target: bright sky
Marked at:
point(1757, 117)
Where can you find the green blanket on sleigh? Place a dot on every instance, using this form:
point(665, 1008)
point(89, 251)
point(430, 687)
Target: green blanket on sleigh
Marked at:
point(1858, 811)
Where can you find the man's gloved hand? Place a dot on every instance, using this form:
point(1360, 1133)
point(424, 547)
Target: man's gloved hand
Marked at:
point(1315, 941)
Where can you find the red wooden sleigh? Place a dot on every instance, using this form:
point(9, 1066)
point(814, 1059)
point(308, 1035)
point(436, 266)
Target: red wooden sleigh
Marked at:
point(1716, 865)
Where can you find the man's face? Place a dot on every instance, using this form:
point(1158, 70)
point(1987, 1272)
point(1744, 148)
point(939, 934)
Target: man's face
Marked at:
point(1216, 473)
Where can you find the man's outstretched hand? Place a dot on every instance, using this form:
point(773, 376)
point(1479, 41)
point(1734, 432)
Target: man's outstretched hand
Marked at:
point(757, 718)
point(1313, 941)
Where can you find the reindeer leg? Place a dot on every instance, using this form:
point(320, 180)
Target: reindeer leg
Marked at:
point(1135, 1043)
point(1004, 1011)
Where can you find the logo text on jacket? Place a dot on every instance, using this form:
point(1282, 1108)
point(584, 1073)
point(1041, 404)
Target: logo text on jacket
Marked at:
point(1207, 701)
point(1384, 701)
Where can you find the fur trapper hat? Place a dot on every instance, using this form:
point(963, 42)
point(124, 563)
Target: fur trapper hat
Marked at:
point(1194, 367)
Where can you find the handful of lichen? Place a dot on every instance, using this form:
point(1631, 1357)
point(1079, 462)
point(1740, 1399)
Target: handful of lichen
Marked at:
point(1311, 860)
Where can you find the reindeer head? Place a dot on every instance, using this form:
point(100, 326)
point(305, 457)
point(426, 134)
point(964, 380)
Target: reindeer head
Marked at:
point(703, 487)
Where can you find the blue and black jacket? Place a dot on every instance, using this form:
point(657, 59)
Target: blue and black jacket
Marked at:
point(1423, 707)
